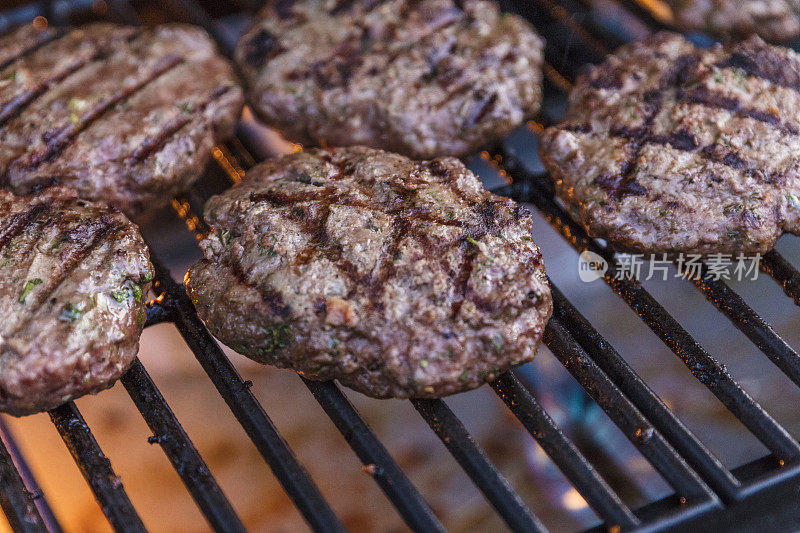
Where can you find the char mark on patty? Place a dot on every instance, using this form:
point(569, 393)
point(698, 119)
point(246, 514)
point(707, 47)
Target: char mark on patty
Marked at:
point(22, 221)
point(153, 144)
point(60, 138)
point(47, 39)
point(758, 60)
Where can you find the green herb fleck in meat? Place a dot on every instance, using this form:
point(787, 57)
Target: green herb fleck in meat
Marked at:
point(121, 295)
point(732, 208)
point(29, 286)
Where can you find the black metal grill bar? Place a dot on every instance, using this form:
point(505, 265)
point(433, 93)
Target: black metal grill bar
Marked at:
point(405, 497)
point(746, 320)
point(620, 372)
point(563, 14)
point(703, 366)
point(169, 434)
point(157, 314)
point(494, 486)
point(96, 468)
point(784, 274)
point(292, 476)
point(17, 503)
point(558, 33)
point(28, 478)
point(636, 428)
point(564, 453)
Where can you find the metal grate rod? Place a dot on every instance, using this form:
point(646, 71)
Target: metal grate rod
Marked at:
point(30, 483)
point(612, 363)
point(172, 438)
point(412, 507)
point(15, 499)
point(96, 468)
point(780, 270)
point(746, 320)
point(564, 453)
point(624, 414)
point(473, 460)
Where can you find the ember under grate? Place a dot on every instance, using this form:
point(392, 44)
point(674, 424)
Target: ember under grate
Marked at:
point(706, 494)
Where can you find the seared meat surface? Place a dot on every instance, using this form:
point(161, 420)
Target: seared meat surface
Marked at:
point(399, 278)
point(424, 78)
point(72, 279)
point(123, 115)
point(773, 20)
point(670, 148)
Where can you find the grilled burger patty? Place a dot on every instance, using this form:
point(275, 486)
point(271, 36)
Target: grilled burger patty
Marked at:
point(671, 148)
point(420, 77)
point(399, 278)
point(124, 115)
point(72, 276)
point(774, 20)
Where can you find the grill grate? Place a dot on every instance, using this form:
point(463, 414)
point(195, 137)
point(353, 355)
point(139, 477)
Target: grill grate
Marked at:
point(706, 493)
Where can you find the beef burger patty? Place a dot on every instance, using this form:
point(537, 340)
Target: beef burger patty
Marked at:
point(72, 279)
point(670, 148)
point(399, 278)
point(124, 115)
point(421, 77)
point(774, 20)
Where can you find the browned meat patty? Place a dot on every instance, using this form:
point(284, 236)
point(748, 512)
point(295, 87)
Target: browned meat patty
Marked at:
point(72, 277)
point(424, 78)
point(671, 148)
point(399, 278)
point(774, 20)
point(124, 115)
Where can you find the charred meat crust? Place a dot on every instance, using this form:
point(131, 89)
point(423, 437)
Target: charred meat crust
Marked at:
point(124, 115)
point(668, 148)
point(420, 77)
point(73, 277)
point(399, 278)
